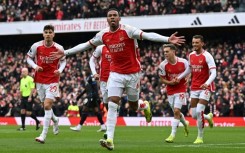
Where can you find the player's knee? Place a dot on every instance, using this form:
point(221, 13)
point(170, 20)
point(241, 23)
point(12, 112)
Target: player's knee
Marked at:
point(114, 99)
point(177, 113)
point(47, 107)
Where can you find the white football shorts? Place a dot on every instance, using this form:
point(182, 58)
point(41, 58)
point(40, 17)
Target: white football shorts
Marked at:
point(177, 100)
point(201, 94)
point(50, 91)
point(104, 91)
point(117, 83)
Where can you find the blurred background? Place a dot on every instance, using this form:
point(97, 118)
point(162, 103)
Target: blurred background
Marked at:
point(221, 22)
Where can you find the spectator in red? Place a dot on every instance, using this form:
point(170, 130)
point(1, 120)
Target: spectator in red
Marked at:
point(38, 16)
point(59, 13)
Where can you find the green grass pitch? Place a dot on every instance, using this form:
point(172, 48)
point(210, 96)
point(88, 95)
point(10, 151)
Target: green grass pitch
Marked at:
point(127, 140)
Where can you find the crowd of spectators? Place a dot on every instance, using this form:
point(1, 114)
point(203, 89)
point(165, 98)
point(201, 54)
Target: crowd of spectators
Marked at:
point(228, 99)
point(36, 10)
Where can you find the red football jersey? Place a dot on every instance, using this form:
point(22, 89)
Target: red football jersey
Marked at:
point(170, 71)
point(122, 45)
point(200, 65)
point(40, 53)
point(105, 59)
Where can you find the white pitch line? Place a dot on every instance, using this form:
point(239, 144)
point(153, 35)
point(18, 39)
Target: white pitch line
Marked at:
point(208, 145)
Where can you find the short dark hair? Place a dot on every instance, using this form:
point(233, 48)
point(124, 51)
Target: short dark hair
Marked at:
point(113, 9)
point(199, 37)
point(48, 27)
point(171, 46)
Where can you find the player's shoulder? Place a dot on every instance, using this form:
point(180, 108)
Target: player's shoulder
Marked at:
point(126, 27)
point(100, 47)
point(39, 43)
point(58, 45)
point(180, 59)
point(163, 63)
point(206, 53)
point(103, 31)
point(193, 53)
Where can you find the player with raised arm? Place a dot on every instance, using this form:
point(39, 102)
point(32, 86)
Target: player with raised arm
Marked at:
point(203, 73)
point(47, 76)
point(170, 68)
point(121, 40)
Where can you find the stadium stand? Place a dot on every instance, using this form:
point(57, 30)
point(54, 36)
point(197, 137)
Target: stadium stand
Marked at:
point(36, 10)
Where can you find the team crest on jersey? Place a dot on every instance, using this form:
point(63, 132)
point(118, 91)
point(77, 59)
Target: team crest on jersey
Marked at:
point(121, 38)
point(107, 40)
point(200, 61)
point(180, 68)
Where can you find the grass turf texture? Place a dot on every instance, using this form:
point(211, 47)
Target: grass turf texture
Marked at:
point(127, 140)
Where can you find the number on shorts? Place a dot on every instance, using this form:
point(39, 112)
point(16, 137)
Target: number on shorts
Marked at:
point(181, 96)
point(206, 92)
point(53, 89)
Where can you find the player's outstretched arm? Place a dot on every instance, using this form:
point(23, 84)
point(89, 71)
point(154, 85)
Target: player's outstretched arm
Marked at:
point(79, 48)
point(174, 39)
point(177, 40)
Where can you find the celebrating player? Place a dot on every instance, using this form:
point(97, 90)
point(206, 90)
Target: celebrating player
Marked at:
point(170, 68)
point(121, 40)
point(47, 76)
point(203, 73)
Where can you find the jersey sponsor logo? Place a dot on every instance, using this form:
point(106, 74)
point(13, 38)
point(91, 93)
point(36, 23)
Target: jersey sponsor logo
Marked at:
point(172, 76)
point(46, 59)
point(116, 47)
point(197, 68)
